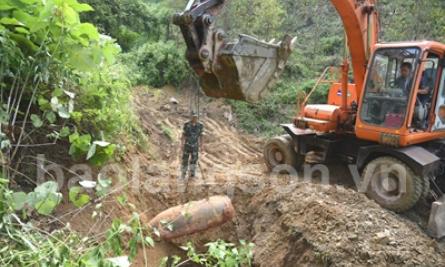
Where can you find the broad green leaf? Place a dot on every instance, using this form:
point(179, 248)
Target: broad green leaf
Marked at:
point(30, 1)
point(78, 199)
point(70, 16)
point(36, 121)
point(19, 199)
point(24, 41)
point(22, 30)
point(92, 151)
point(25, 18)
point(5, 7)
point(5, 144)
point(81, 7)
point(110, 51)
point(74, 137)
point(47, 12)
point(51, 117)
point(55, 31)
point(47, 187)
point(10, 21)
point(45, 207)
point(33, 198)
point(98, 159)
point(57, 92)
point(75, 151)
point(43, 101)
point(81, 58)
point(84, 142)
point(39, 25)
point(109, 150)
point(54, 103)
point(55, 197)
point(63, 112)
point(88, 30)
point(65, 131)
point(104, 182)
point(150, 241)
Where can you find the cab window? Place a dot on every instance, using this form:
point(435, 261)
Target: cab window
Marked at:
point(388, 87)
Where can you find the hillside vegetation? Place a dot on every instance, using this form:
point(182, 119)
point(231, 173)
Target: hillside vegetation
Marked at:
point(66, 76)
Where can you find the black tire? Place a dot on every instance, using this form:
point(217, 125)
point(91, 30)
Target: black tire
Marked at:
point(280, 150)
point(384, 181)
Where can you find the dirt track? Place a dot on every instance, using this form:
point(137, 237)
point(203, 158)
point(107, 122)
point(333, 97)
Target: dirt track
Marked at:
point(293, 222)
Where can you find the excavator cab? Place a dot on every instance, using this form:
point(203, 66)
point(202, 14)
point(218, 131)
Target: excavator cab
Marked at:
point(398, 96)
point(245, 69)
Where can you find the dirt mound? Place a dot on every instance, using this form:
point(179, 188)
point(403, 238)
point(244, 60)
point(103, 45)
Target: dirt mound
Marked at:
point(339, 226)
point(293, 222)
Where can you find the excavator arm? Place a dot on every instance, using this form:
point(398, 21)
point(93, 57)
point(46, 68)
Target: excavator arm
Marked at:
point(247, 69)
point(360, 19)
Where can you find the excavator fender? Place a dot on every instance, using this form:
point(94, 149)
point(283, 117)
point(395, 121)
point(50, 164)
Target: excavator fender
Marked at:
point(418, 158)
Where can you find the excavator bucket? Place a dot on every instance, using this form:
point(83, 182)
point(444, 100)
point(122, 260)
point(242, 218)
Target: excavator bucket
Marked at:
point(436, 223)
point(245, 70)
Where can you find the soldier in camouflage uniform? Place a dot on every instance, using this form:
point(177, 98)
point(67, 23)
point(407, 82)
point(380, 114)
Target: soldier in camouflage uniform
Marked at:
point(192, 140)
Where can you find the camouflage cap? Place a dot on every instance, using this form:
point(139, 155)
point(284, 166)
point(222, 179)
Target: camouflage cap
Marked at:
point(194, 113)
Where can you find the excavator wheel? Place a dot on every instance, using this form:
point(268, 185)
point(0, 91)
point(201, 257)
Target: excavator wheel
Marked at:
point(280, 150)
point(425, 186)
point(383, 178)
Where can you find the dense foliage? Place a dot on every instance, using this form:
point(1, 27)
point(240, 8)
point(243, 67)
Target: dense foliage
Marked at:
point(56, 70)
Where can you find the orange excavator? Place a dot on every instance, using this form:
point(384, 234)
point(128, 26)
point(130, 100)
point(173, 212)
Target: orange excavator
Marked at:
point(388, 121)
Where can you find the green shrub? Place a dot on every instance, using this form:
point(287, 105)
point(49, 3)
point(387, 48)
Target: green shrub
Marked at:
point(156, 64)
point(56, 70)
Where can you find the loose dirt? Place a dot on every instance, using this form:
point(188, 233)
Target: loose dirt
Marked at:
point(293, 222)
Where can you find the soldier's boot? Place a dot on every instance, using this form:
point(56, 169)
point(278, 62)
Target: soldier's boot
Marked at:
point(183, 173)
point(193, 171)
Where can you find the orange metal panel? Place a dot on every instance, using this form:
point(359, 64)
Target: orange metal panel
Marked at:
point(334, 97)
point(328, 113)
point(405, 137)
